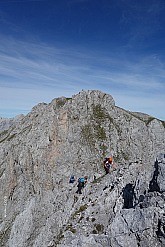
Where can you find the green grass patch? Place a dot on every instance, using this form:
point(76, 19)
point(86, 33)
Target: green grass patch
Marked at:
point(60, 102)
point(70, 228)
point(99, 132)
point(149, 120)
point(11, 137)
point(59, 237)
point(5, 132)
point(80, 210)
point(25, 129)
point(99, 228)
point(88, 135)
point(100, 114)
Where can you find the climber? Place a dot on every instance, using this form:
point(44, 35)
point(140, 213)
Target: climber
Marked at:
point(111, 163)
point(108, 162)
point(72, 179)
point(81, 184)
point(82, 181)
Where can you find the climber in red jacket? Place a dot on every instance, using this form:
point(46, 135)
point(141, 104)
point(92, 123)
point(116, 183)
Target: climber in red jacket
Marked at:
point(108, 162)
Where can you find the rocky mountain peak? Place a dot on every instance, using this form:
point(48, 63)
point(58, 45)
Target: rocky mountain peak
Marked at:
point(72, 136)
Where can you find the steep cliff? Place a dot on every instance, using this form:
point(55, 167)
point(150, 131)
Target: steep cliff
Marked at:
point(38, 206)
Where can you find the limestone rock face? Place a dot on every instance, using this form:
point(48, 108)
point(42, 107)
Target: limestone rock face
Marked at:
point(72, 136)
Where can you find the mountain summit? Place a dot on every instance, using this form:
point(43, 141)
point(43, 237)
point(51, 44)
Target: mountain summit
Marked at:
point(72, 136)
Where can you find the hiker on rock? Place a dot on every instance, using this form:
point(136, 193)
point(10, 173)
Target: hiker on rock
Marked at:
point(111, 163)
point(81, 184)
point(72, 179)
point(108, 162)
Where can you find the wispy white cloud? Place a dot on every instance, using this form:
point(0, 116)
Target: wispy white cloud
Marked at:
point(153, 105)
point(31, 73)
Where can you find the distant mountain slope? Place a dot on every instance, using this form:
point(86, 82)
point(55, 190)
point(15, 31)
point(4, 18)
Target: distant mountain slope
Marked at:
point(6, 123)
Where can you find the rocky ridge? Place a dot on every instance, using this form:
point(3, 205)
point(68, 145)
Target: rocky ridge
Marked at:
point(38, 206)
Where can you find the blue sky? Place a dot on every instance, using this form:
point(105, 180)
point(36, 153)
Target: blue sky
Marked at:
point(53, 48)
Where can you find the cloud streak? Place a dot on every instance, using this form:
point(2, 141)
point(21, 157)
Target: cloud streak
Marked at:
point(31, 73)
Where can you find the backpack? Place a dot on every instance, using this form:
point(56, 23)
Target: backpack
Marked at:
point(81, 180)
point(107, 165)
point(71, 179)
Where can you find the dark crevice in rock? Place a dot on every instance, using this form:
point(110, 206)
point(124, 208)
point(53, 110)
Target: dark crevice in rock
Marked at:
point(106, 187)
point(153, 186)
point(141, 198)
point(128, 196)
point(161, 229)
point(138, 239)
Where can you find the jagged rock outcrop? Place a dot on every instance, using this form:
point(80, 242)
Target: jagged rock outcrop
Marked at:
point(38, 206)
